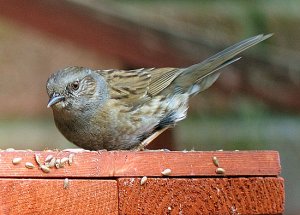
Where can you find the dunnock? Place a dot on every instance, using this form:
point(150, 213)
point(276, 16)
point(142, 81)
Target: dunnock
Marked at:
point(121, 110)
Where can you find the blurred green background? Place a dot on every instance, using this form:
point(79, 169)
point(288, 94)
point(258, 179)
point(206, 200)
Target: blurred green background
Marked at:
point(254, 106)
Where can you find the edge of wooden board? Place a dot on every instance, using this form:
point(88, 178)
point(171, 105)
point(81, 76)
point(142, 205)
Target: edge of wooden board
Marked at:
point(97, 164)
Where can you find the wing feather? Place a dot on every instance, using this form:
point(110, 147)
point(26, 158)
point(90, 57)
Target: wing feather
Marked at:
point(127, 85)
point(161, 79)
point(134, 87)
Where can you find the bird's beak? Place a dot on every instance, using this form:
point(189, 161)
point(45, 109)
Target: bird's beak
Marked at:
point(55, 99)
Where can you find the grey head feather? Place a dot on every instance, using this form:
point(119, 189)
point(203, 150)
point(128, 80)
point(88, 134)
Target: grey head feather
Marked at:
point(91, 92)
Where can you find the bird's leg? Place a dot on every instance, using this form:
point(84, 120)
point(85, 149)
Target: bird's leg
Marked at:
point(149, 139)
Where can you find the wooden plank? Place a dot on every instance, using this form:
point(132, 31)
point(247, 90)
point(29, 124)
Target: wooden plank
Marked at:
point(202, 196)
point(48, 196)
point(94, 164)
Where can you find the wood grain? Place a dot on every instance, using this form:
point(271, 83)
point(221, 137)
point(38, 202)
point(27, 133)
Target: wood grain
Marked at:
point(254, 195)
point(109, 183)
point(146, 163)
point(48, 196)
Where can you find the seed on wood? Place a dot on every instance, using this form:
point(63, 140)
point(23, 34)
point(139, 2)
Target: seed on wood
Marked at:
point(37, 159)
point(220, 171)
point(57, 163)
point(143, 180)
point(71, 159)
point(52, 162)
point(215, 161)
point(169, 208)
point(48, 150)
point(48, 158)
point(29, 165)
point(10, 149)
point(16, 160)
point(45, 169)
point(66, 183)
point(63, 161)
point(166, 172)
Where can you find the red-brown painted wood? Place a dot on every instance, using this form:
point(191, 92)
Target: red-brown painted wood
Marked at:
point(254, 195)
point(144, 163)
point(48, 196)
point(110, 183)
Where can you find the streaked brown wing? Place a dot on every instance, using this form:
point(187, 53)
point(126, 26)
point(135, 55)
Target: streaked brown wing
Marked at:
point(128, 85)
point(161, 78)
point(136, 86)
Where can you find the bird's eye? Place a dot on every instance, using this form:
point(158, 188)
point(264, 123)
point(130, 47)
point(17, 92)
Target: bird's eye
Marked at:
point(75, 85)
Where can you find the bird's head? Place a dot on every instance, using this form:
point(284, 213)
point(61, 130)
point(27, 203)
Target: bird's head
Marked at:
point(76, 89)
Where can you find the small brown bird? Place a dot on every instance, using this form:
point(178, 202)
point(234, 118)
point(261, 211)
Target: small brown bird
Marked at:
point(121, 110)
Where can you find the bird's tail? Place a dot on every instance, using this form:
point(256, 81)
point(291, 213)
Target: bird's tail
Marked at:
point(204, 74)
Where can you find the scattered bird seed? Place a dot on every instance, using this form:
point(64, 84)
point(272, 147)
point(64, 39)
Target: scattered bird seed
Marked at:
point(57, 163)
point(52, 162)
point(63, 161)
point(16, 160)
point(48, 150)
point(166, 172)
point(71, 159)
point(37, 159)
point(220, 170)
point(45, 169)
point(29, 165)
point(10, 149)
point(48, 158)
point(143, 180)
point(169, 208)
point(215, 161)
point(66, 183)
